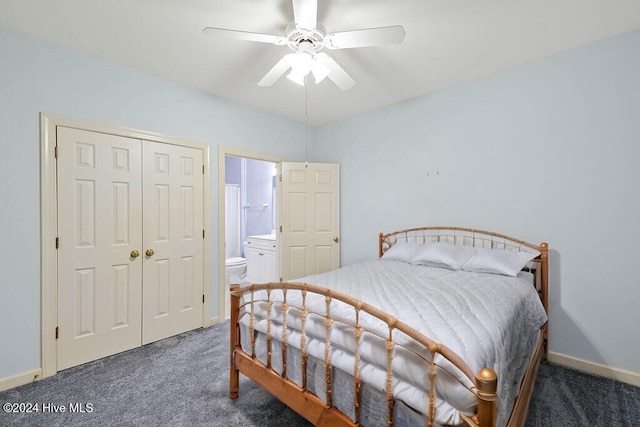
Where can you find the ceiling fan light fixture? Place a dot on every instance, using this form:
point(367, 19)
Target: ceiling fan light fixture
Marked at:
point(319, 70)
point(321, 75)
point(300, 67)
point(301, 62)
point(297, 77)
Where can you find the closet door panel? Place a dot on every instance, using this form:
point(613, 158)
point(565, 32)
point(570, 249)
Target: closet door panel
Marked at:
point(173, 241)
point(99, 223)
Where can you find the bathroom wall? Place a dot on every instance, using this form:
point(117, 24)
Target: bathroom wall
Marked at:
point(232, 172)
point(258, 206)
point(255, 178)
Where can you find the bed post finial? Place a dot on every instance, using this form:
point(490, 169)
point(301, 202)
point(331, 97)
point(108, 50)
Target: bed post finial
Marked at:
point(487, 381)
point(380, 237)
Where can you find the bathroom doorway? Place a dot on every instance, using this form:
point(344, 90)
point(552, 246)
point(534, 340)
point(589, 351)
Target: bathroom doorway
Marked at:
point(248, 209)
point(250, 195)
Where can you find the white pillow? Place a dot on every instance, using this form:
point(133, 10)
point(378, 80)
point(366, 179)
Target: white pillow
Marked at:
point(508, 263)
point(402, 251)
point(444, 255)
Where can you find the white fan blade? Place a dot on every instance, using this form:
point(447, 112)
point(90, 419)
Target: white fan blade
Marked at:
point(367, 37)
point(337, 74)
point(277, 71)
point(305, 14)
point(244, 35)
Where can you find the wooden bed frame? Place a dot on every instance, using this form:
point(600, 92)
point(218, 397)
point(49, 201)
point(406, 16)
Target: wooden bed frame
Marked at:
point(323, 412)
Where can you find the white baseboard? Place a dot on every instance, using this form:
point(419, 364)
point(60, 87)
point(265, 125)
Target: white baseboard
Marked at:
point(213, 321)
point(594, 368)
point(20, 379)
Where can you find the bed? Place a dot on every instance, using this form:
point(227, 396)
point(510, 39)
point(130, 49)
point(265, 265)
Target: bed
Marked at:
point(447, 327)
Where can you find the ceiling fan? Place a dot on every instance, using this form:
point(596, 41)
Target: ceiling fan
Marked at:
point(306, 38)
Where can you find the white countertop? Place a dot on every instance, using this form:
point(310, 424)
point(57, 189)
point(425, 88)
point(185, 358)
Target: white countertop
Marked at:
point(263, 237)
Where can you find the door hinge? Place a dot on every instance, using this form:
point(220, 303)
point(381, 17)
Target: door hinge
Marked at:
point(57, 242)
point(55, 151)
point(57, 332)
point(202, 169)
point(203, 298)
point(281, 229)
point(203, 233)
point(280, 178)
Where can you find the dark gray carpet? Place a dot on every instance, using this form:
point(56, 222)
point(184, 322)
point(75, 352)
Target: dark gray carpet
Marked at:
point(183, 381)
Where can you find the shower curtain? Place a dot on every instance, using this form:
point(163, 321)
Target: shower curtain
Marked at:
point(232, 244)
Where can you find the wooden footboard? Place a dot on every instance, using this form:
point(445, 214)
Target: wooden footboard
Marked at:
point(322, 412)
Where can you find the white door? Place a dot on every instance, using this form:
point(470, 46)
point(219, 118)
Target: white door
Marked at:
point(99, 223)
point(117, 198)
point(310, 221)
point(173, 240)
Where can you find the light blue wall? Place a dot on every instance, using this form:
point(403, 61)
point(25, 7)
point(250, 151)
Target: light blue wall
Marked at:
point(548, 151)
point(37, 77)
point(545, 151)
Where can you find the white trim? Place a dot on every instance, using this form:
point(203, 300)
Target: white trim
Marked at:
point(48, 219)
point(49, 258)
point(594, 368)
point(222, 153)
point(20, 379)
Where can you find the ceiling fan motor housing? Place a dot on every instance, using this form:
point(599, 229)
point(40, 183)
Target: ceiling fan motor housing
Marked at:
point(299, 39)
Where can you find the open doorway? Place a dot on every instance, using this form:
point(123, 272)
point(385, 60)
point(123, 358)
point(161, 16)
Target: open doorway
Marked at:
point(250, 192)
point(247, 223)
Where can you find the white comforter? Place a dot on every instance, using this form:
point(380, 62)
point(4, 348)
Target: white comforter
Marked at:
point(489, 320)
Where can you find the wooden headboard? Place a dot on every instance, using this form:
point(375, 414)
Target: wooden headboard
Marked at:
point(456, 236)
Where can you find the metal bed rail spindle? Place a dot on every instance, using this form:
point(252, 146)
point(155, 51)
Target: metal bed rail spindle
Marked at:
point(252, 330)
point(269, 339)
point(327, 350)
point(285, 307)
point(432, 390)
point(357, 385)
point(303, 338)
point(389, 383)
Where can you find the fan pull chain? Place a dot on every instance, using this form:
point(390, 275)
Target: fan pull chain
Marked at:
point(306, 121)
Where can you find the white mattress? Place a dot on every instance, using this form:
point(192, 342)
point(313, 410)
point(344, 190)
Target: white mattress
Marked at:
point(489, 320)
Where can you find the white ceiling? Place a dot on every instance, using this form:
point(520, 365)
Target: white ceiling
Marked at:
point(447, 42)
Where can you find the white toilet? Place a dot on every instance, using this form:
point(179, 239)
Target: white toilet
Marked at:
point(235, 270)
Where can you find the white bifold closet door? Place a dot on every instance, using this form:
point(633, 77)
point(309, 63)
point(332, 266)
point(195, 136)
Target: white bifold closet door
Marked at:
point(172, 224)
point(130, 257)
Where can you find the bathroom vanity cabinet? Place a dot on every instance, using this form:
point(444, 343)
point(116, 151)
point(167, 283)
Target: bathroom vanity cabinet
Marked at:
point(260, 252)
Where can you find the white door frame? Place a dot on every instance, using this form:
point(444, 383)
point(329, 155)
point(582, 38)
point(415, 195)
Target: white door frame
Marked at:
point(49, 220)
point(222, 153)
